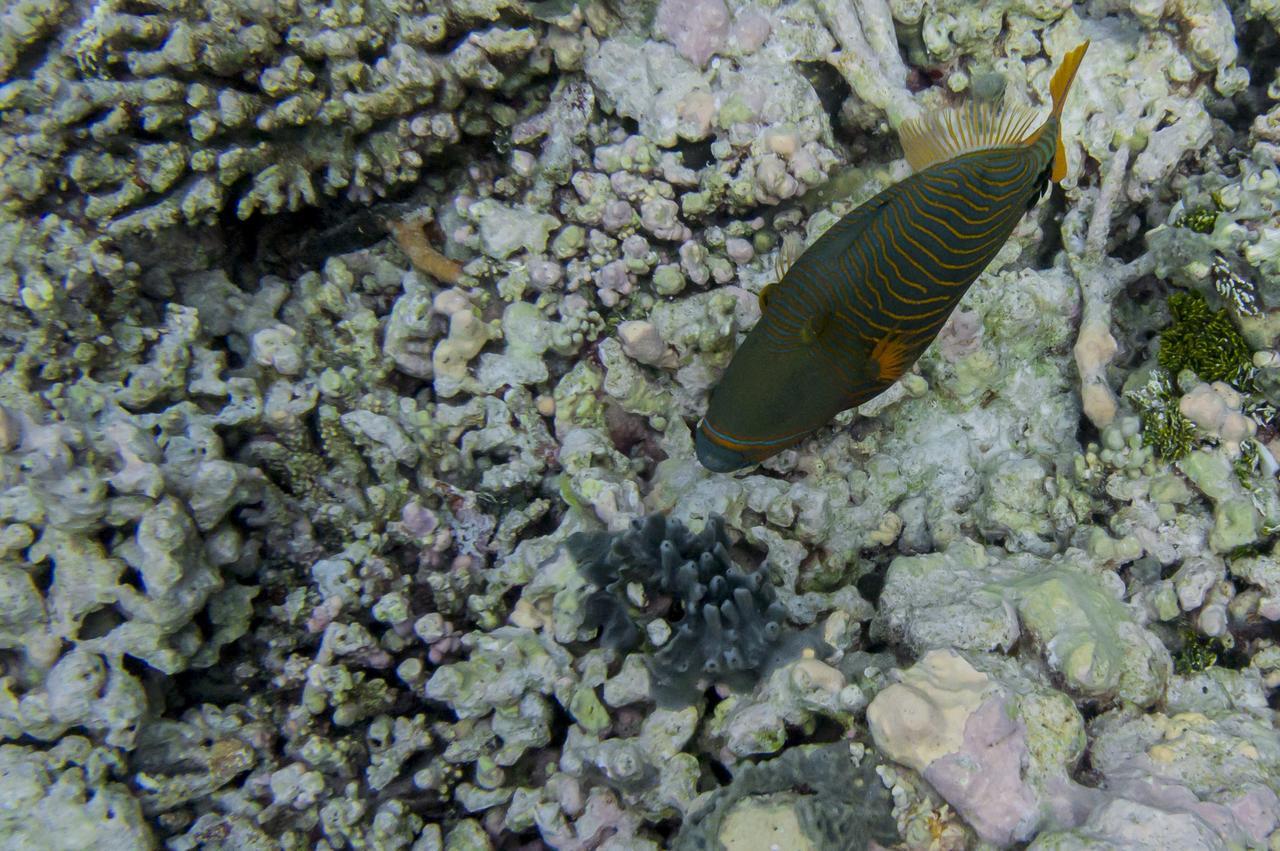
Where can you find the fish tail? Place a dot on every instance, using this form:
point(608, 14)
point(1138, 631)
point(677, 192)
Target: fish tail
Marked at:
point(1058, 88)
point(1063, 77)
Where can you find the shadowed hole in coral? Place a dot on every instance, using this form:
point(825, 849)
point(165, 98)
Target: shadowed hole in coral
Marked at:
point(290, 243)
point(546, 524)
point(135, 666)
point(99, 622)
point(1089, 709)
point(1131, 249)
point(722, 775)
point(695, 155)
point(217, 685)
point(870, 585)
point(509, 600)
point(131, 577)
point(1260, 55)
point(42, 577)
point(1238, 657)
point(872, 645)
point(1085, 774)
point(828, 84)
point(1087, 432)
point(558, 366)
point(1052, 210)
point(825, 731)
point(204, 623)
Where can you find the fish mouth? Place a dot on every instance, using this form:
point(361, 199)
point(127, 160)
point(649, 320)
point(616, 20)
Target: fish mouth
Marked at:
point(717, 458)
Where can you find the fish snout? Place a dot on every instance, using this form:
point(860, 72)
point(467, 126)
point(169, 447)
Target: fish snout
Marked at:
point(717, 458)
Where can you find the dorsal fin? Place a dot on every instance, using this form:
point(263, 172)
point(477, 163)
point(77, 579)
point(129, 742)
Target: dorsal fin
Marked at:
point(788, 253)
point(939, 136)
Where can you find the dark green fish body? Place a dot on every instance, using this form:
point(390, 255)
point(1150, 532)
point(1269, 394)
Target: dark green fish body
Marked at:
point(857, 309)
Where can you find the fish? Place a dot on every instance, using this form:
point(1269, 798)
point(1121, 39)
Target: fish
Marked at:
point(856, 309)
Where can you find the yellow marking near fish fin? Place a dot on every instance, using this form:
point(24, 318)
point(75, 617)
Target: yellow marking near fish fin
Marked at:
point(1059, 162)
point(765, 295)
point(943, 135)
point(891, 355)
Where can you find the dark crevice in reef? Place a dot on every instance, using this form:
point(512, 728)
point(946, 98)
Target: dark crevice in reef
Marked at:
point(1260, 56)
point(1087, 432)
point(828, 84)
point(1052, 210)
point(870, 585)
point(290, 242)
point(695, 155)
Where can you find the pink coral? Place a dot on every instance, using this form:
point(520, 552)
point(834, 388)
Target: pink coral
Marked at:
point(698, 28)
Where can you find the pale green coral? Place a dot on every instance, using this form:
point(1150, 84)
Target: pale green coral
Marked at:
point(1090, 637)
point(69, 797)
point(970, 599)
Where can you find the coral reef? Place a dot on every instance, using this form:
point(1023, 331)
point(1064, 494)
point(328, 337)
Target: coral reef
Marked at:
point(350, 353)
point(134, 106)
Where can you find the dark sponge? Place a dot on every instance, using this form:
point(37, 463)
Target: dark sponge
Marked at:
point(841, 804)
point(727, 624)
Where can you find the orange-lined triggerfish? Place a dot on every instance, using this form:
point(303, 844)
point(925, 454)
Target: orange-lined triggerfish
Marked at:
point(853, 313)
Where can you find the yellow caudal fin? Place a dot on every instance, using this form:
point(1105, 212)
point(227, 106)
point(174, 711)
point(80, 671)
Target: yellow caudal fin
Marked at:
point(1058, 88)
point(1062, 78)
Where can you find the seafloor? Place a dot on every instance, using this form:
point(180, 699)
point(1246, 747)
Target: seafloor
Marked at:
point(328, 325)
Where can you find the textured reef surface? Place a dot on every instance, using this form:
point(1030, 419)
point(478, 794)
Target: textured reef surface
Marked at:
point(349, 354)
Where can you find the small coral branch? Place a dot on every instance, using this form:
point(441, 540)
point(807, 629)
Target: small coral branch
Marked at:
point(868, 58)
point(1100, 279)
point(412, 240)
